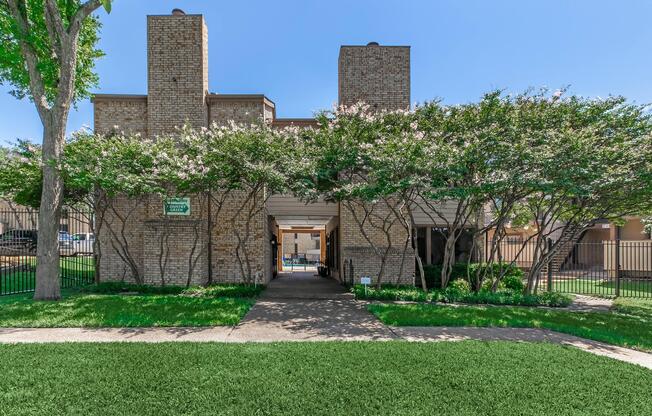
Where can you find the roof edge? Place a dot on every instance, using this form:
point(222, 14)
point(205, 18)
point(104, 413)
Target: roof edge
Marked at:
point(240, 97)
point(117, 97)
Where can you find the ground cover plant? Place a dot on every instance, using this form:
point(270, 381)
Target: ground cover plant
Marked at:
point(125, 305)
point(458, 292)
point(461, 378)
point(629, 324)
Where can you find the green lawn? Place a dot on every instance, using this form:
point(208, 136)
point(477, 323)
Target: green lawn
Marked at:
point(78, 309)
point(349, 378)
point(75, 271)
point(630, 324)
point(628, 288)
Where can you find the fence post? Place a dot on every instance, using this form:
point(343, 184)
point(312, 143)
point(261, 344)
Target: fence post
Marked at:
point(618, 263)
point(549, 244)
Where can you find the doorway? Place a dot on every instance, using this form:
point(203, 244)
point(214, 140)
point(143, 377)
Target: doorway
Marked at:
point(301, 250)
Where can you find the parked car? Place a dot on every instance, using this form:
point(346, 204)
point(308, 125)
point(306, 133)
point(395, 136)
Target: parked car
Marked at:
point(83, 242)
point(65, 240)
point(18, 242)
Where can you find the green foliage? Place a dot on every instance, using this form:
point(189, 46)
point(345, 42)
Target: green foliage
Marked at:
point(459, 291)
point(625, 329)
point(458, 288)
point(116, 288)
point(145, 310)
point(552, 299)
point(12, 63)
point(225, 290)
point(433, 274)
point(219, 290)
point(316, 378)
point(20, 174)
point(513, 282)
point(391, 293)
point(510, 275)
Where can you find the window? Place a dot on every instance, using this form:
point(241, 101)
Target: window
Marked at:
point(438, 236)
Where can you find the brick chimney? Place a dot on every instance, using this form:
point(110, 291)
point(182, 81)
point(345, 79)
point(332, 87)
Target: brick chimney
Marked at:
point(377, 75)
point(177, 71)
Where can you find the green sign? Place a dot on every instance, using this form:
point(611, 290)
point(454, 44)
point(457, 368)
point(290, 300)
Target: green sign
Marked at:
point(176, 206)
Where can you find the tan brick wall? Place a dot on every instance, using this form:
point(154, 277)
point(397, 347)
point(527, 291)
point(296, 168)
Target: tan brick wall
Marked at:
point(128, 115)
point(123, 222)
point(355, 247)
point(178, 93)
point(146, 227)
point(222, 111)
point(226, 267)
point(366, 263)
point(168, 250)
point(177, 50)
point(376, 75)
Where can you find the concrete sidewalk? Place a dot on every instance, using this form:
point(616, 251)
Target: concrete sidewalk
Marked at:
point(305, 308)
point(370, 332)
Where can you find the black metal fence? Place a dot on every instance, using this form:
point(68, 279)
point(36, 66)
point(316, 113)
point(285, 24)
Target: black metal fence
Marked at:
point(19, 240)
point(594, 268)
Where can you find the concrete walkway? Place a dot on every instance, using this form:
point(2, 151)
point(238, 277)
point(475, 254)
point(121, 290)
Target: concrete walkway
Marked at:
point(301, 307)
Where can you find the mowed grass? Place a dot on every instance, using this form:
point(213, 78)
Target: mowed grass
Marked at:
point(629, 324)
point(75, 271)
point(605, 288)
point(349, 378)
point(113, 310)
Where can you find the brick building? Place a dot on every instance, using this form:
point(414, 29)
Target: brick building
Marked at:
point(178, 93)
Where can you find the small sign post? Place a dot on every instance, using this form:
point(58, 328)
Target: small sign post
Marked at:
point(176, 206)
point(366, 281)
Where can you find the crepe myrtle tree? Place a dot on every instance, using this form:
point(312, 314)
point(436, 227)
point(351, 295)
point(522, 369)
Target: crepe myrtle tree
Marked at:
point(396, 174)
point(507, 178)
point(199, 165)
point(594, 162)
point(470, 154)
point(647, 225)
point(348, 152)
point(115, 175)
point(191, 168)
point(108, 178)
point(47, 54)
point(255, 162)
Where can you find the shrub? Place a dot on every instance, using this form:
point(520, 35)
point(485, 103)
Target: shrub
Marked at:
point(219, 290)
point(492, 272)
point(230, 290)
point(391, 293)
point(457, 290)
point(509, 298)
point(555, 299)
point(111, 288)
point(513, 282)
point(512, 275)
point(433, 274)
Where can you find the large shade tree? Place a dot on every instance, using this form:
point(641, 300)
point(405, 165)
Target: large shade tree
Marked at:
point(47, 54)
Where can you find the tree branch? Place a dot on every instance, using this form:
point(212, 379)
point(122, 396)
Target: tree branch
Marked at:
point(82, 13)
point(37, 86)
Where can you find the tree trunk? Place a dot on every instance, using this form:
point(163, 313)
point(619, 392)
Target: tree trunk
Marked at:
point(449, 258)
point(47, 251)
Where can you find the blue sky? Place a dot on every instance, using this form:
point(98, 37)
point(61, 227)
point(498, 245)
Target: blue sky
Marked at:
point(287, 49)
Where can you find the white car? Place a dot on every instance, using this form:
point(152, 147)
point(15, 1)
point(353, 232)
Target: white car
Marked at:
point(83, 242)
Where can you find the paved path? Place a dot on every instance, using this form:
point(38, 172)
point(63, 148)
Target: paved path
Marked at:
point(583, 303)
point(305, 308)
